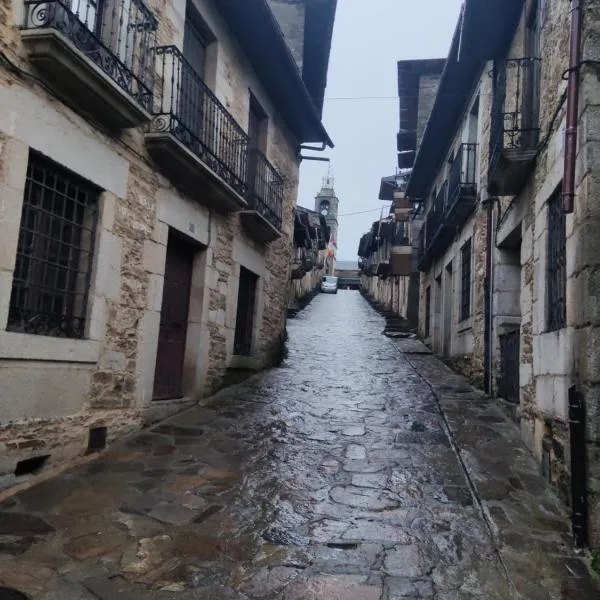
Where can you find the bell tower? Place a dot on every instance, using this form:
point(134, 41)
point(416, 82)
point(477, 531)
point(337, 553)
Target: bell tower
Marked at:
point(326, 204)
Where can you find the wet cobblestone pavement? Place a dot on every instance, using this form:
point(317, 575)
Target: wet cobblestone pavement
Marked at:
point(335, 477)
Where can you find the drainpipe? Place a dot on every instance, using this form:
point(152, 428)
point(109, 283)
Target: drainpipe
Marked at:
point(568, 193)
point(577, 423)
point(487, 287)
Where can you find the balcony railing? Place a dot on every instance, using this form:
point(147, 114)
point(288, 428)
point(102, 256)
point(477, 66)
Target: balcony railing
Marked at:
point(119, 37)
point(189, 111)
point(515, 121)
point(401, 236)
point(265, 188)
point(452, 206)
point(435, 218)
point(462, 177)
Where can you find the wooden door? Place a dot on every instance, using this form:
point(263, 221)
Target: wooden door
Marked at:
point(244, 325)
point(168, 375)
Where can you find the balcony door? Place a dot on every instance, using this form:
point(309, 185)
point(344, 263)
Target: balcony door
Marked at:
point(256, 133)
point(191, 90)
point(168, 375)
point(531, 74)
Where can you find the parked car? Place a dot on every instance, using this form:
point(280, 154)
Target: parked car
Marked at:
point(329, 285)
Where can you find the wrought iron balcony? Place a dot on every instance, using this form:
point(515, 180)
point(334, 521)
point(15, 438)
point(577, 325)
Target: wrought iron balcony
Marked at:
point(515, 124)
point(401, 252)
point(435, 217)
point(451, 208)
point(99, 56)
point(265, 199)
point(193, 137)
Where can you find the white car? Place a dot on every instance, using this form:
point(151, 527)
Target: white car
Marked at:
point(329, 285)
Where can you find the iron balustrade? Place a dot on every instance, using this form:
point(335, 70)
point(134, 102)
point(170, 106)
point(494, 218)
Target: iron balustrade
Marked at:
point(508, 381)
point(119, 36)
point(401, 236)
point(265, 188)
point(187, 109)
point(462, 176)
point(515, 107)
point(435, 218)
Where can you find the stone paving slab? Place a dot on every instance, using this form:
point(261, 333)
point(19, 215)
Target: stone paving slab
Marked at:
point(528, 522)
point(332, 477)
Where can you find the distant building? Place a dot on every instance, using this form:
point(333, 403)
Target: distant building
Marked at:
point(309, 256)
point(390, 276)
point(348, 273)
point(327, 205)
point(148, 177)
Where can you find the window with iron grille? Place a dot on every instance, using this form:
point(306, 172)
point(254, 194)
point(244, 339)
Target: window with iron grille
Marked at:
point(465, 287)
point(54, 253)
point(427, 311)
point(556, 277)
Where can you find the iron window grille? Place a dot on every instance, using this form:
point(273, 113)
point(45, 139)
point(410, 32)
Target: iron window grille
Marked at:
point(119, 36)
point(427, 311)
point(54, 253)
point(465, 288)
point(557, 264)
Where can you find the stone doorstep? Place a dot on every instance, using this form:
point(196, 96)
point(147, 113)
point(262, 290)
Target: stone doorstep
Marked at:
point(511, 552)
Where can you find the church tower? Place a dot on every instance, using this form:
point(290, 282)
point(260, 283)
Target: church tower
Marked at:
point(326, 204)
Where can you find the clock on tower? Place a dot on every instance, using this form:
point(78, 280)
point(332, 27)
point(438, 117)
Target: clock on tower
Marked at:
point(324, 208)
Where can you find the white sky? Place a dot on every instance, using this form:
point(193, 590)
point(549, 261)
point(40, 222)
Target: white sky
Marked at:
point(369, 37)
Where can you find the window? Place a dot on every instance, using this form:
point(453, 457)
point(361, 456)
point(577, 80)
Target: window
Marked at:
point(427, 311)
point(54, 253)
point(244, 324)
point(557, 264)
point(465, 287)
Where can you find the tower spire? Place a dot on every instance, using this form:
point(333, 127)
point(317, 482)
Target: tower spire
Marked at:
point(328, 180)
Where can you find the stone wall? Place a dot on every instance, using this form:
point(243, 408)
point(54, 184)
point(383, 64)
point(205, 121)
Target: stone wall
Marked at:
point(290, 14)
point(390, 294)
point(545, 369)
point(460, 341)
point(428, 86)
point(53, 390)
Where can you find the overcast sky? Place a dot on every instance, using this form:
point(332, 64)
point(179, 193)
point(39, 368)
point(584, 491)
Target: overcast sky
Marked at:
point(369, 37)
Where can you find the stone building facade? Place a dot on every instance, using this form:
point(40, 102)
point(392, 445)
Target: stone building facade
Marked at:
point(386, 259)
point(502, 245)
point(390, 277)
point(310, 262)
point(149, 157)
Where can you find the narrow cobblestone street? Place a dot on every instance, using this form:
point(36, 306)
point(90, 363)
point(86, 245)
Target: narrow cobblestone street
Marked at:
point(334, 477)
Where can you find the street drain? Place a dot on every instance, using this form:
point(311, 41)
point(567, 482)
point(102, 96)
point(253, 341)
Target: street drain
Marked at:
point(342, 546)
point(11, 594)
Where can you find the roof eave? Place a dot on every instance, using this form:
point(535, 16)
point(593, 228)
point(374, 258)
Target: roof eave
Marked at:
point(256, 29)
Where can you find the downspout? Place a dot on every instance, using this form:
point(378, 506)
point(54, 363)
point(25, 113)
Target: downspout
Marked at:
point(568, 194)
point(577, 425)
